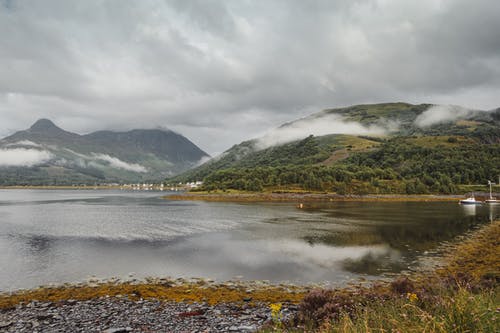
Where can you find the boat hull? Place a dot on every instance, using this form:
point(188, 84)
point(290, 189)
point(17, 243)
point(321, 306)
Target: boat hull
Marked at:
point(470, 202)
point(492, 202)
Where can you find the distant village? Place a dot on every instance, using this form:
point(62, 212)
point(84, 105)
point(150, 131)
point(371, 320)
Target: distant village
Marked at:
point(162, 186)
point(154, 186)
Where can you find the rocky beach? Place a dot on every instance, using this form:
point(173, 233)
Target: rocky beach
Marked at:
point(156, 305)
point(121, 314)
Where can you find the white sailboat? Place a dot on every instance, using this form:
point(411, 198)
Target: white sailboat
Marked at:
point(491, 200)
point(470, 201)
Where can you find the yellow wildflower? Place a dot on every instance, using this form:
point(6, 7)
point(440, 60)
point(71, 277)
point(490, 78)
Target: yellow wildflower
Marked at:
point(275, 307)
point(412, 297)
point(276, 313)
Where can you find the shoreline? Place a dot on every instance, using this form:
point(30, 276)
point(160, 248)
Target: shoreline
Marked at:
point(163, 289)
point(203, 289)
point(286, 197)
point(60, 187)
point(199, 304)
point(307, 197)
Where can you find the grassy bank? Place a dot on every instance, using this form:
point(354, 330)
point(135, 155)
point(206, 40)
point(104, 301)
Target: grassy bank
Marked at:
point(299, 197)
point(462, 295)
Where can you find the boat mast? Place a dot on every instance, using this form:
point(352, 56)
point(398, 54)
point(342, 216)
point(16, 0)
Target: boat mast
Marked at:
point(490, 183)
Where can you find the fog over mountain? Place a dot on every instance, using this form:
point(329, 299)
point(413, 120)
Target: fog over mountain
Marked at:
point(223, 71)
point(23, 157)
point(443, 114)
point(331, 122)
point(47, 154)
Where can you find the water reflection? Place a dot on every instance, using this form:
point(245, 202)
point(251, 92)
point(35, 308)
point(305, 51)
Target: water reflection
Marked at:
point(374, 263)
point(469, 210)
point(38, 245)
point(493, 212)
point(59, 236)
point(408, 230)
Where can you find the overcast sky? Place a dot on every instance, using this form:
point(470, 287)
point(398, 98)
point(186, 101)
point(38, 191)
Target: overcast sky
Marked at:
point(220, 72)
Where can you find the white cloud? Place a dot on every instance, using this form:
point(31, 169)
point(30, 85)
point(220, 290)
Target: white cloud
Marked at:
point(442, 114)
point(323, 256)
point(200, 66)
point(117, 163)
point(318, 126)
point(203, 160)
point(23, 143)
point(96, 160)
point(23, 157)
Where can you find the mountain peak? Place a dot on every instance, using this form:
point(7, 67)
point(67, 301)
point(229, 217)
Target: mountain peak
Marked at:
point(44, 125)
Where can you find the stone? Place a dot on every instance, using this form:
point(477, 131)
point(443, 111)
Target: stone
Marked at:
point(4, 324)
point(244, 328)
point(114, 315)
point(117, 330)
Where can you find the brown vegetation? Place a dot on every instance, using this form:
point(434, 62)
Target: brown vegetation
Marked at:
point(301, 196)
point(162, 289)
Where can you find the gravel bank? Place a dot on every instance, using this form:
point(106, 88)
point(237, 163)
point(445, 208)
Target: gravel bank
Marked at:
point(119, 314)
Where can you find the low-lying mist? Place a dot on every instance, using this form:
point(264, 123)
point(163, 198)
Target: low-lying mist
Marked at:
point(438, 114)
point(98, 160)
point(318, 126)
point(119, 164)
point(23, 157)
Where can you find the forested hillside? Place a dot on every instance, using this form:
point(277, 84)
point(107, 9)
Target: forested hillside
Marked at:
point(411, 159)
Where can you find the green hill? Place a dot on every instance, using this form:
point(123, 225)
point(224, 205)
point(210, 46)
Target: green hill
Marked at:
point(416, 149)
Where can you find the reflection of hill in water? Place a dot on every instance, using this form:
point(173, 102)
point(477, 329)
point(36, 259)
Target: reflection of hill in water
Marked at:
point(406, 236)
point(376, 263)
point(400, 237)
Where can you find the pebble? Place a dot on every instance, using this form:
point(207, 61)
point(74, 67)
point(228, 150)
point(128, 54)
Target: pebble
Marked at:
point(118, 330)
point(121, 315)
point(5, 324)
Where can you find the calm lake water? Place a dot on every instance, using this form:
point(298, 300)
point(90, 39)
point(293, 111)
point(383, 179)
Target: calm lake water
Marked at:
point(55, 236)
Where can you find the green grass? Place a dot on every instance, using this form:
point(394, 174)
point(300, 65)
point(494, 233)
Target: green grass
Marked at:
point(372, 113)
point(444, 141)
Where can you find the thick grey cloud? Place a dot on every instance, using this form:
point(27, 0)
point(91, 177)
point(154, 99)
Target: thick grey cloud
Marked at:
point(224, 71)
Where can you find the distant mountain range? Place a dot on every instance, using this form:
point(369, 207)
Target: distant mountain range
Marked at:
point(45, 154)
point(375, 148)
